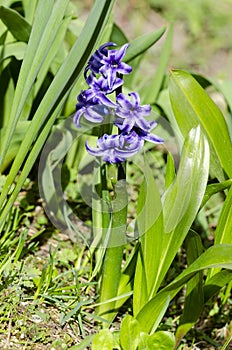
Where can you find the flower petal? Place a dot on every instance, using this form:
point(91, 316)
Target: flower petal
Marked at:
point(121, 53)
point(153, 138)
point(135, 98)
point(124, 68)
point(123, 101)
point(91, 115)
point(96, 152)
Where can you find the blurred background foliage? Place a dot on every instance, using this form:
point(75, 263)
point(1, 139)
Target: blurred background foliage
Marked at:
point(202, 40)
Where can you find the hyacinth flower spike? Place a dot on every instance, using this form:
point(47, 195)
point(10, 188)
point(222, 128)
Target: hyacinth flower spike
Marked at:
point(99, 88)
point(94, 63)
point(112, 65)
point(116, 148)
point(131, 113)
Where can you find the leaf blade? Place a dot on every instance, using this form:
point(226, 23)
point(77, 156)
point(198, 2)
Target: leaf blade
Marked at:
point(191, 106)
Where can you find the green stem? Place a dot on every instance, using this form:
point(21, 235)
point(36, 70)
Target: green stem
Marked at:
point(111, 273)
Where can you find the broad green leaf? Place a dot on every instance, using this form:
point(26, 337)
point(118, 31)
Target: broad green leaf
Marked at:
point(225, 86)
point(126, 281)
point(163, 237)
point(215, 188)
point(192, 106)
point(16, 50)
point(224, 227)
point(216, 282)
point(103, 340)
point(165, 103)
point(170, 171)
point(129, 333)
point(16, 24)
point(161, 341)
point(182, 199)
point(142, 43)
point(55, 97)
point(216, 256)
point(150, 228)
point(151, 90)
point(194, 297)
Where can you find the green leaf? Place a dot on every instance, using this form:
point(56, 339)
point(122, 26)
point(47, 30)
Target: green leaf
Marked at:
point(16, 24)
point(225, 87)
point(216, 256)
point(150, 228)
point(161, 341)
point(56, 94)
point(83, 345)
point(224, 228)
point(192, 106)
point(182, 199)
point(151, 90)
point(216, 282)
point(19, 135)
point(164, 236)
point(104, 340)
point(118, 36)
point(29, 7)
point(215, 188)
point(129, 333)
point(170, 171)
point(16, 50)
point(194, 298)
point(142, 43)
point(50, 171)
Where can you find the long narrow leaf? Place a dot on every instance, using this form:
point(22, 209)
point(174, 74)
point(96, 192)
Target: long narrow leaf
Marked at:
point(58, 91)
point(142, 43)
point(15, 23)
point(43, 13)
point(151, 91)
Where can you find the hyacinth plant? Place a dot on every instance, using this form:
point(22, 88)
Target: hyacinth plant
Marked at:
point(163, 224)
point(104, 76)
